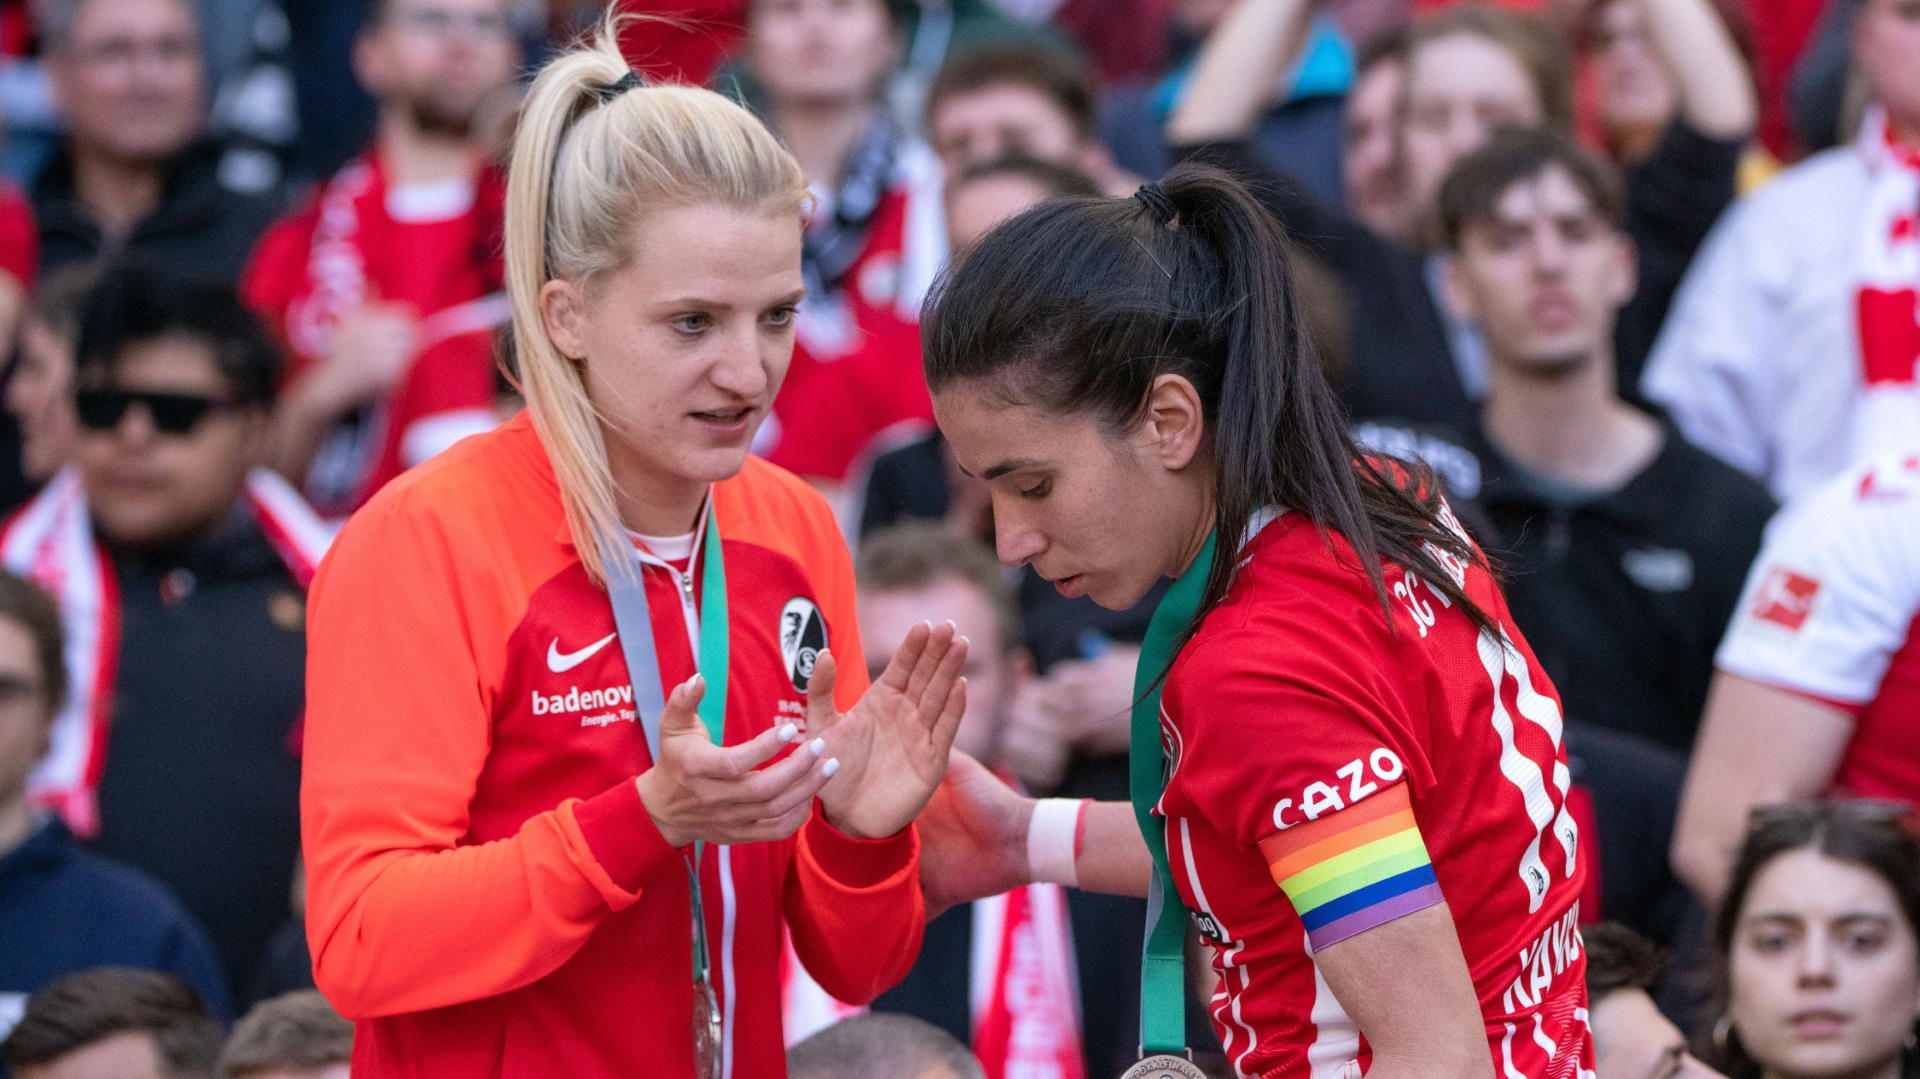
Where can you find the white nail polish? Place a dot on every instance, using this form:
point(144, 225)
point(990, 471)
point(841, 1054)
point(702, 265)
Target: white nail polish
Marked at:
point(832, 766)
point(787, 733)
point(817, 745)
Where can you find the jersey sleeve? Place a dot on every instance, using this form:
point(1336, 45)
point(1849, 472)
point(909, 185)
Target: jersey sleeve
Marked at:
point(1715, 366)
point(1305, 762)
point(1835, 589)
point(397, 732)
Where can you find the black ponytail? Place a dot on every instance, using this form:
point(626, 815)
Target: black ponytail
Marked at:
point(1078, 304)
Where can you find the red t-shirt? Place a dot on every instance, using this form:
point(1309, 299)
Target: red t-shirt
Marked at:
point(346, 247)
point(19, 240)
point(844, 411)
point(1332, 773)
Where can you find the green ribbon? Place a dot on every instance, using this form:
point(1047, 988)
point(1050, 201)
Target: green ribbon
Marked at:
point(714, 658)
point(1163, 966)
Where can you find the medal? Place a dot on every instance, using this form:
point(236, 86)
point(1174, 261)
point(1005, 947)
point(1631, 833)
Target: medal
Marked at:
point(706, 1030)
point(1164, 1066)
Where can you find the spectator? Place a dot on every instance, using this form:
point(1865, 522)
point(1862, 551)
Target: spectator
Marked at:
point(882, 1047)
point(134, 172)
point(295, 1036)
point(384, 286)
point(1819, 675)
point(875, 240)
point(1470, 69)
point(1631, 1039)
point(1625, 545)
point(63, 909)
point(113, 1022)
point(1636, 88)
point(40, 393)
point(919, 571)
point(1793, 347)
point(859, 409)
point(1372, 169)
point(1816, 945)
point(1019, 100)
point(196, 557)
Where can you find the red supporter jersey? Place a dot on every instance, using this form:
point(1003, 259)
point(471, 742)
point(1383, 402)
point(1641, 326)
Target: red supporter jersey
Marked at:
point(1832, 611)
point(346, 247)
point(19, 240)
point(1332, 772)
point(844, 412)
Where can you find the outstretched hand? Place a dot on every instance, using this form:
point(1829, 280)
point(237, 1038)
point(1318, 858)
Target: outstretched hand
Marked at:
point(892, 746)
point(973, 837)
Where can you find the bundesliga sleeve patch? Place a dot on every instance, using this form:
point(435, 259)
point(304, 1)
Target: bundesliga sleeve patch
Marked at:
point(1361, 867)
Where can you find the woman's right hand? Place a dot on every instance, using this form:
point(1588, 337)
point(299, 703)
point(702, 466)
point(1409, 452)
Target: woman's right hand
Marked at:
point(721, 794)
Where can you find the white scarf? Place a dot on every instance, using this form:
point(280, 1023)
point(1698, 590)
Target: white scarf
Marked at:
point(1024, 989)
point(1887, 294)
point(50, 542)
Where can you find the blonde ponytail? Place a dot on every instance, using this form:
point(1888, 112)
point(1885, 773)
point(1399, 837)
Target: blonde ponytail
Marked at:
point(587, 163)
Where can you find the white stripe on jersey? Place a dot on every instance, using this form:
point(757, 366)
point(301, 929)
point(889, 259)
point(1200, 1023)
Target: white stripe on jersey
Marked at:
point(1227, 960)
point(1519, 769)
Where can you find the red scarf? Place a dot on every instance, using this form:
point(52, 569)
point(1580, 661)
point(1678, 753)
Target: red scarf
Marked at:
point(1887, 293)
point(50, 542)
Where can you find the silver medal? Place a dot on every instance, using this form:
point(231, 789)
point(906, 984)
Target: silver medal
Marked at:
point(1163, 1066)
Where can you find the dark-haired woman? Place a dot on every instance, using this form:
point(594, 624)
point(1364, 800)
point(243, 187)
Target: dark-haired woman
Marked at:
point(1817, 944)
point(1364, 795)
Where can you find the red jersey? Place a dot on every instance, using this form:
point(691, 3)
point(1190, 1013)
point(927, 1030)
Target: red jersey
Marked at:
point(359, 240)
point(1832, 611)
point(1331, 772)
point(487, 895)
point(846, 412)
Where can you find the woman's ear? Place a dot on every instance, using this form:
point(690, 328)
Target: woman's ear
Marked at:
point(1176, 425)
point(562, 311)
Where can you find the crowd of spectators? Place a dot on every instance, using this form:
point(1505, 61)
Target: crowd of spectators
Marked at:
point(1639, 279)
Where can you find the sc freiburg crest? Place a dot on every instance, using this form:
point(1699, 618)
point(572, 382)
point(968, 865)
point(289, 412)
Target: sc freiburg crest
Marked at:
point(803, 636)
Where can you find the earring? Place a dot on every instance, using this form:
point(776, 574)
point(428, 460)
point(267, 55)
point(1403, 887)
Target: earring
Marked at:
point(1723, 1031)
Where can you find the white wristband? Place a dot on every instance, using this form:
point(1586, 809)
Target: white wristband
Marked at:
point(1050, 841)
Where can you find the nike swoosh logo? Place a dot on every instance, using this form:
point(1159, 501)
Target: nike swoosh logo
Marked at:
point(558, 661)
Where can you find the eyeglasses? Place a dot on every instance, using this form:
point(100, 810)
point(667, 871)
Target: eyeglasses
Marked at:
point(439, 22)
point(172, 413)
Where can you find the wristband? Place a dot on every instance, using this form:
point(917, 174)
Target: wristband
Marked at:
point(1053, 840)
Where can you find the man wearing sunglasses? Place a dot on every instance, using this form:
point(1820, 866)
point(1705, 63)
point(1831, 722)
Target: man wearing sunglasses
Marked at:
point(180, 574)
point(385, 286)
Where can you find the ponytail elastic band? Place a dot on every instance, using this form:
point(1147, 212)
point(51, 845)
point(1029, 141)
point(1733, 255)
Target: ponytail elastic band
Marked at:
point(614, 89)
point(1158, 203)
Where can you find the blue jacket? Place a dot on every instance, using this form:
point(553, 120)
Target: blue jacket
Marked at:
point(64, 909)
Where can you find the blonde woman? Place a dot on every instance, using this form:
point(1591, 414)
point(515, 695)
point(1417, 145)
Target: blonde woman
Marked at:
point(518, 791)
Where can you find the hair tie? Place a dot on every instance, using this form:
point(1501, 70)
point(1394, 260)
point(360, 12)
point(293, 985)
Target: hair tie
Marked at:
point(1158, 203)
point(614, 89)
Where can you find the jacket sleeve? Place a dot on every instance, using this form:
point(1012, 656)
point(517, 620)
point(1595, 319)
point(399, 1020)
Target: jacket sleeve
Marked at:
point(397, 732)
point(1715, 366)
point(854, 908)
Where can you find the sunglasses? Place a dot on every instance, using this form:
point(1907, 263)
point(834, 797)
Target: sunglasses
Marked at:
point(1863, 810)
point(172, 413)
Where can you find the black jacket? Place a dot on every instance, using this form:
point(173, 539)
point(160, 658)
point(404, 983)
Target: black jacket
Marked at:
point(201, 786)
point(1625, 597)
point(200, 228)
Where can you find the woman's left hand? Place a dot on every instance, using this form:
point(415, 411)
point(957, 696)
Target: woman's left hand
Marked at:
point(892, 746)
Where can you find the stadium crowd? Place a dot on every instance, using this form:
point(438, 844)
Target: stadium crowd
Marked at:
point(1638, 279)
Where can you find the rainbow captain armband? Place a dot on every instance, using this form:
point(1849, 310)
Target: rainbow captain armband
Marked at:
point(1361, 867)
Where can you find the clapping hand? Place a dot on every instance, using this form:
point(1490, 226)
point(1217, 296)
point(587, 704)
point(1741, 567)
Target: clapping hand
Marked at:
point(892, 745)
